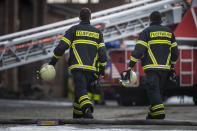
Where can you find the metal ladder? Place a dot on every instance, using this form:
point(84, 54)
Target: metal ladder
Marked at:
point(190, 61)
point(38, 43)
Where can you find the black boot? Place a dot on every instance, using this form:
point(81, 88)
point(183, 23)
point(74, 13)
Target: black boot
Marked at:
point(161, 116)
point(88, 114)
point(77, 116)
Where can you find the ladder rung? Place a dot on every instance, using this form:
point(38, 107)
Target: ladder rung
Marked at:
point(186, 84)
point(186, 60)
point(186, 72)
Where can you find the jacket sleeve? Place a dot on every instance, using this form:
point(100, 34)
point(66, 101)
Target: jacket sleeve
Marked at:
point(63, 45)
point(174, 51)
point(102, 56)
point(140, 48)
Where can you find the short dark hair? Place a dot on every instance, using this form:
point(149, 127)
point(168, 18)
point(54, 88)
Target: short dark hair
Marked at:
point(85, 14)
point(155, 16)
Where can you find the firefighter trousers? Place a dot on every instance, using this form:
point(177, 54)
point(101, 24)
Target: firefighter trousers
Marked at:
point(82, 80)
point(155, 84)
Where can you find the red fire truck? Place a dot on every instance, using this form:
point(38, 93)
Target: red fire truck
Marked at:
point(186, 34)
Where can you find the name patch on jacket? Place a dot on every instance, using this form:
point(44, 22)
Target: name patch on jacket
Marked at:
point(87, 33)
point(160, 34)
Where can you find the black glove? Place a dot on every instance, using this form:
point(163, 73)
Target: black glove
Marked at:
point(102, 70)
point(53, 61)
point(172, 75)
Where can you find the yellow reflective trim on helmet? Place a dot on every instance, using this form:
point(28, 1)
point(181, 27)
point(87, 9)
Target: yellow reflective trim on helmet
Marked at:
point(82, 67)
point(66, 40)
point(134, 59)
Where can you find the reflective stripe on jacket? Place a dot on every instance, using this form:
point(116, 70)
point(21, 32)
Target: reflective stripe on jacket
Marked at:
point(156, 47)
point(86, 45)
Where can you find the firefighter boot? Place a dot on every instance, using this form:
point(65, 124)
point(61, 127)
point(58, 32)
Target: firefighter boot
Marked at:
point(88, 113)
point(77, 112)
point(156, 112)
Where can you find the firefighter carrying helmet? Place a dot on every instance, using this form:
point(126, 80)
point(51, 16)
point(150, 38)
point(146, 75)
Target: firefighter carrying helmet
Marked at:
point(128, 78)
point(47, 72)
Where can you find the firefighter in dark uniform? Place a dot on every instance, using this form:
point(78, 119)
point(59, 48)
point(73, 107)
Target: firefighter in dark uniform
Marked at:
point(157, 48)
point(87, 51)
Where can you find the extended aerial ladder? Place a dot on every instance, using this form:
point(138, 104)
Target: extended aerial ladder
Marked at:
point(116, 23)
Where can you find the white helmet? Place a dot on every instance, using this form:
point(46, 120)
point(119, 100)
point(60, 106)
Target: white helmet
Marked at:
point(128, 78)
point(47, 72)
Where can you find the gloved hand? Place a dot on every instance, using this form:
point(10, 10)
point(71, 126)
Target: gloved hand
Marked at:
point(102, 70)
point(53, 61)
point(172, 75)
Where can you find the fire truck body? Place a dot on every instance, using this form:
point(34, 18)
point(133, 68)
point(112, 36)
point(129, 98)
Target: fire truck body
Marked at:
point(135, 94)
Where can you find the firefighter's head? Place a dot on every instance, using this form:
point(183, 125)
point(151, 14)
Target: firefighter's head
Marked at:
point(85, 14)
point(155, 17)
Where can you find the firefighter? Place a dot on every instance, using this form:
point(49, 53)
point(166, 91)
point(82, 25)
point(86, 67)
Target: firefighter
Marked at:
point(157, 48)
point(87, 51)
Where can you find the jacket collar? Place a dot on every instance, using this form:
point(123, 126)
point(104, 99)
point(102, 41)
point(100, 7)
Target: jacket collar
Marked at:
point(86, 22)
point(155, 23)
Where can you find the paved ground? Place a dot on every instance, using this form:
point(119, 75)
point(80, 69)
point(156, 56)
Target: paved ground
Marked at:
point(15, 109)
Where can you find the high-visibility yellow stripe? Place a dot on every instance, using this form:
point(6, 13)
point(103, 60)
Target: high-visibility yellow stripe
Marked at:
point(96, 75)
point(159, 42)
point(83, 97)
point(157, 107)
point(142, 43)
point(76, 105)
point(83, 67)
point(157, 113)
point(77, 55)
point(85, 102)
point(95, 59)
point(173, 62)
point(174, 44)
point(90, 95)
point(101, 45)
point(152, 56)
point(57, 57)
point(97, 97)
point(86, 42)
point(169, 56)
point(134, 59)
point(103, 64)
point(156, 66)
point(66, 40)
point(77, 112)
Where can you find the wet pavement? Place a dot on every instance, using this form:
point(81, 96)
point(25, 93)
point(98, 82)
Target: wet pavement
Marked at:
point(176, 109)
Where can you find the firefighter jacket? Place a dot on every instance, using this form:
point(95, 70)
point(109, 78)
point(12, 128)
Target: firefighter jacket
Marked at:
point(156, 47)
point(86, 48)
